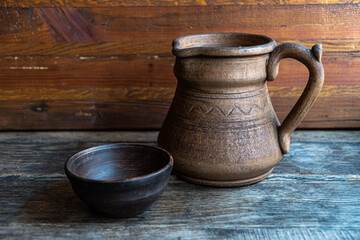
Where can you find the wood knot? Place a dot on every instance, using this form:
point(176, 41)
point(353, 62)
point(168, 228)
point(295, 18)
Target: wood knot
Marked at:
point(42, 107)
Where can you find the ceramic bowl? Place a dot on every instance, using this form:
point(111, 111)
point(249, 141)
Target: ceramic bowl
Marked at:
point(119, 180)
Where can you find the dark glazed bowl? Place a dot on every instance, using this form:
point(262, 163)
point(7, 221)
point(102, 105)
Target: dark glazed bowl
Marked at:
point(119, 180)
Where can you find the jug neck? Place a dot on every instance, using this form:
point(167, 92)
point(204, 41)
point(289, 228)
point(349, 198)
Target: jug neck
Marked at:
point(221, 74)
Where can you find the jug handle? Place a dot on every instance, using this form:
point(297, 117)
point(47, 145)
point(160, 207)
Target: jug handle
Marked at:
point(312, 60)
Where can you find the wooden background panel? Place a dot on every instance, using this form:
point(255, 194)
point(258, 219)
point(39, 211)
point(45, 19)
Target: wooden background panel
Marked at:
point(129, 24)
point(127, 3)
point(98, 64)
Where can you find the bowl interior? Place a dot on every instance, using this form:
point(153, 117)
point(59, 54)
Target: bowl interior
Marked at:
point(117, 162)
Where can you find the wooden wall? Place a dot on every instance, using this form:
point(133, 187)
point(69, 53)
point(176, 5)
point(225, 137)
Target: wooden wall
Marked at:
point(107, 64)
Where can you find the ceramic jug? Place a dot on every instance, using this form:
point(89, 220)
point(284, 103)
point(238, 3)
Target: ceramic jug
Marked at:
point(221, 128)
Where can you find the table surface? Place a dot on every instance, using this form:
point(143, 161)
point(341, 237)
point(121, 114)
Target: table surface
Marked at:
point(313, 193)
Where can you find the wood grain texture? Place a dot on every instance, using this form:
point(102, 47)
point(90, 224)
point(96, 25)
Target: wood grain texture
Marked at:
point(151, 3)
point(129, 114)
point(147, 71)
point(312, 194)
point(162, 48)
point(130, 108)
point(97, 50)
point(118, 24)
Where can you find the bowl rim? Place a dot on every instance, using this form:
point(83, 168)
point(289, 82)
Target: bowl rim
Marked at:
point(110, 146)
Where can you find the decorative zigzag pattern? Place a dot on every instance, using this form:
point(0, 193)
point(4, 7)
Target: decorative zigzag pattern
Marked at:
point(225, 114)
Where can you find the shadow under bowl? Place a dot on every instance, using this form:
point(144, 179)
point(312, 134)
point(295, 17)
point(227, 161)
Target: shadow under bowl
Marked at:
point(119, 180)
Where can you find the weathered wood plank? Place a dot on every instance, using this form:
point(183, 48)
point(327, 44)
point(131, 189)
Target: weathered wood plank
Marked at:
point(99, 93)
point(24, 20)
point(309, 159)
point(312, 194)
point(33, 231)
point(147, 71)
point(146, 114)
point(87, 72)
point(151, 3)
point(51, 137)
point(312, 209)
point(108, 94)
point(47, 115)
point(118, 24)
point(53, 148)
point(114, 47)
point(115, 85)
point(156, 93)
point(92, 49)
point(342, 114)
point(163, 48)
point(329, 136)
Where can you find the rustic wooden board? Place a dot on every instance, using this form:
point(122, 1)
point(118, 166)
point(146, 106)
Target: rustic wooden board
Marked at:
point(112, 59)
point(312, 194)
point(150, 3)
point(55, 147)
point(153, 24)
point(146, 108)
point(109, 72)
point(295, 209)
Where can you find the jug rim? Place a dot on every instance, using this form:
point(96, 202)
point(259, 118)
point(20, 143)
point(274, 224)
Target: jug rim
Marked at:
point(223, 44)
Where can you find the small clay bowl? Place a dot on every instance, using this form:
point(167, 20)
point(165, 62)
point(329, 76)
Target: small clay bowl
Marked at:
point(119, 180)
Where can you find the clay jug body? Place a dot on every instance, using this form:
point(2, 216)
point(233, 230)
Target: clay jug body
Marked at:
point(221, 128)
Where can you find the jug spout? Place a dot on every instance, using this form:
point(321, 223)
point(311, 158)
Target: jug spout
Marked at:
point(222, 45)
point(221, 62)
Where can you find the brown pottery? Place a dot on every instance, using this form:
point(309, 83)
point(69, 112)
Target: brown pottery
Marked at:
point(119, 180)
point(221, 128)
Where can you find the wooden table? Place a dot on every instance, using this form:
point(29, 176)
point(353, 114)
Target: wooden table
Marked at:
point(314, 193)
